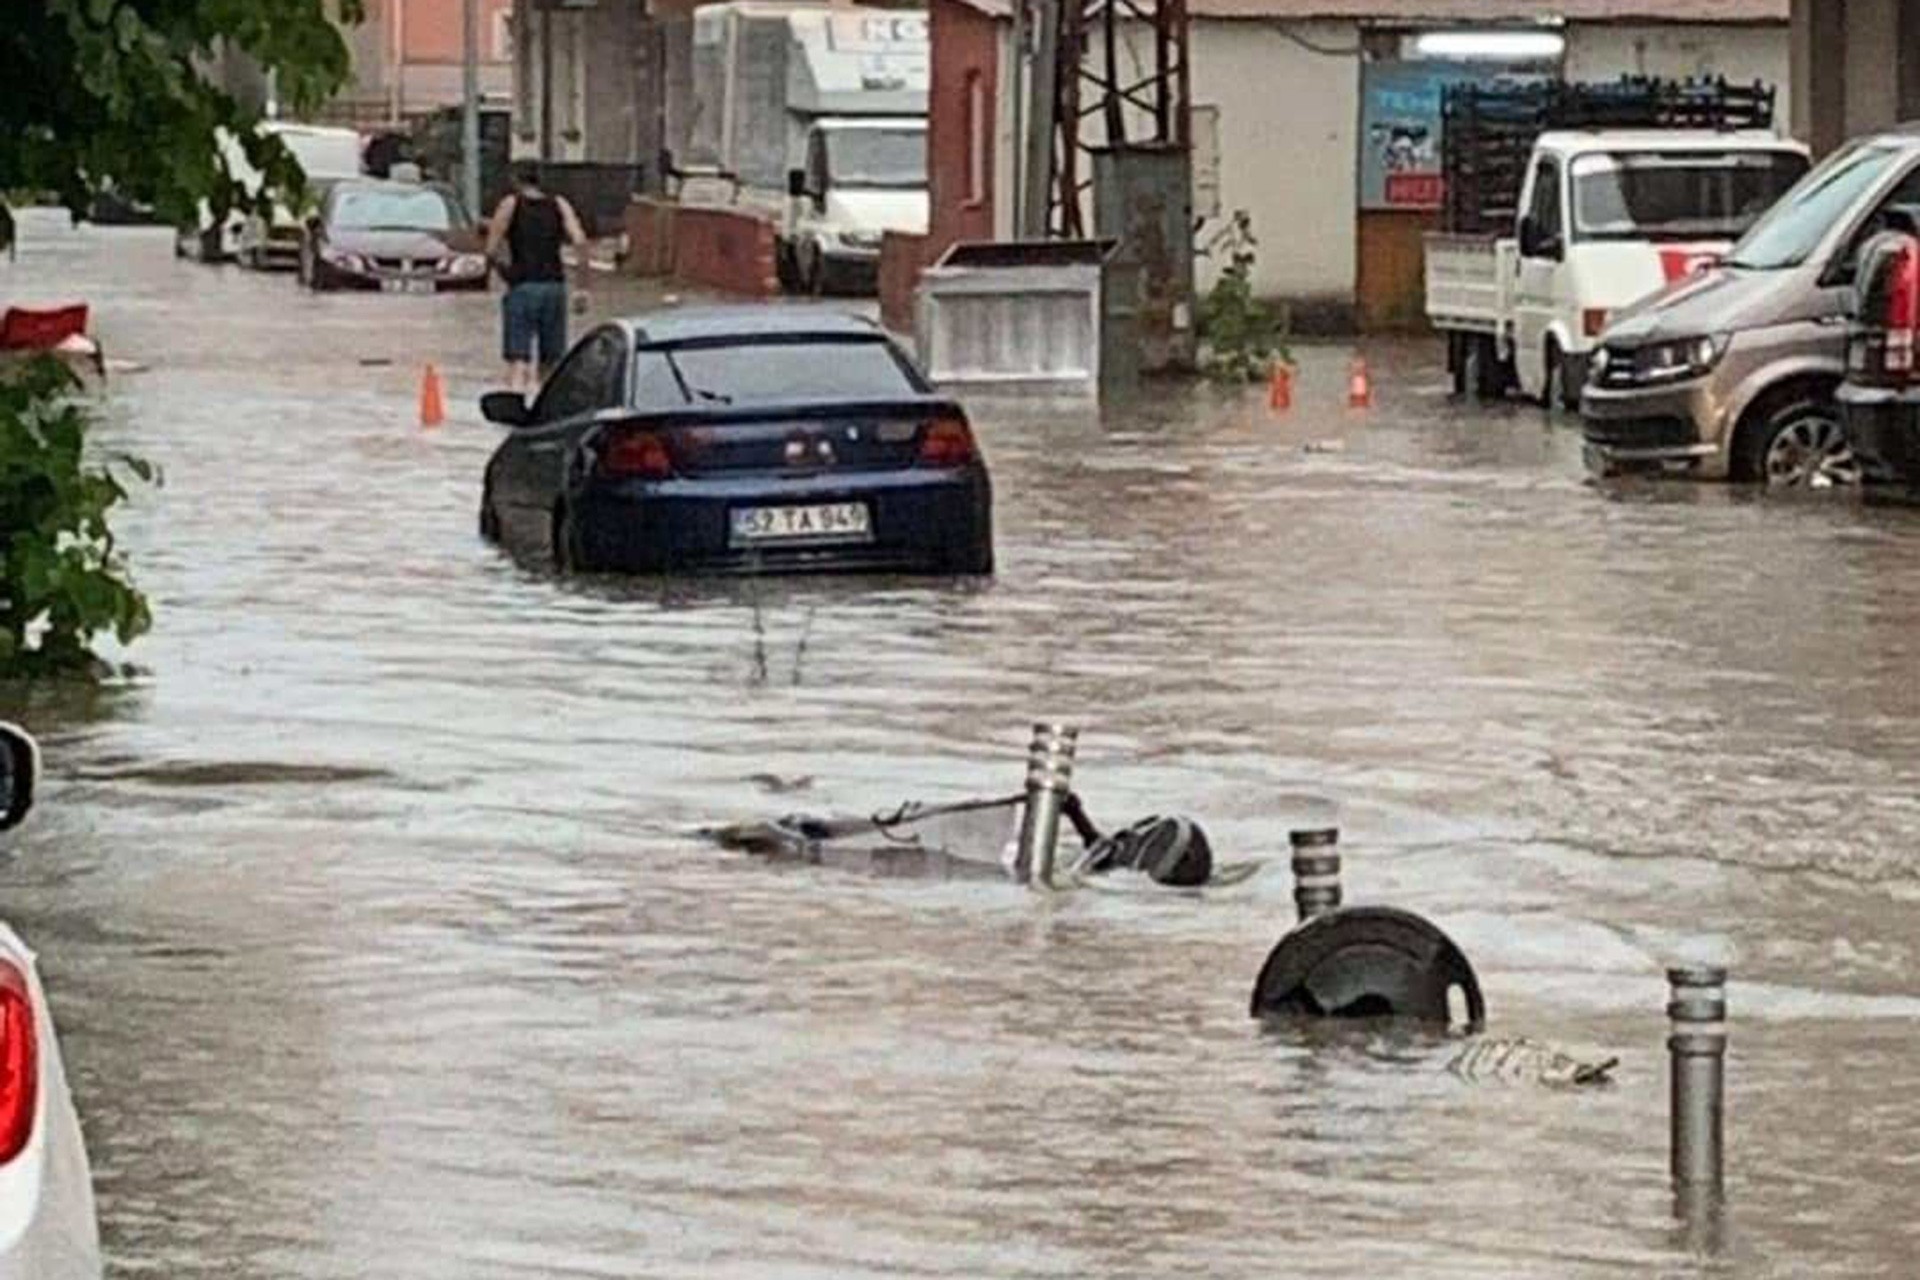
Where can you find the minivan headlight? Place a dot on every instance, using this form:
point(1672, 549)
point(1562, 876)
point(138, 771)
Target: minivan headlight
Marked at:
point(1684, 358)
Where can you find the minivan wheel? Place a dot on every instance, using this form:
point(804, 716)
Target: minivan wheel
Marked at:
point(1801, 445)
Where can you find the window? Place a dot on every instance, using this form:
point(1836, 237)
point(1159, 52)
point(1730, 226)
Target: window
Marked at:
point(977, 139)
point(1680, 195)
point(810, 369)
point(391, 209)
point(1544, 208)
point(882, 159)
point(1907, 193)
point(587, 380)
point(656, 387)
point(1789, 232)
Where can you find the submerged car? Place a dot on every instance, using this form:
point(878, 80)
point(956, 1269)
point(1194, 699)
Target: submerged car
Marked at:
point(739, 440)
point(48, 1229)
point(394, 237)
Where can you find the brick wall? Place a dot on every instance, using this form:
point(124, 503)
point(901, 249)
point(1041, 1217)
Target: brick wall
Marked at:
point(902, 257)
point(649, 228)
point(725, 249)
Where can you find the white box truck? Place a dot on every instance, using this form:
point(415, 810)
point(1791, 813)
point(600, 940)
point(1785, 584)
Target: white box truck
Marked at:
point(1566, 204)
point(818, 115)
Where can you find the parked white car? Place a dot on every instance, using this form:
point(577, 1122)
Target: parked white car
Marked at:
point(48, 1230)
point(325, 154)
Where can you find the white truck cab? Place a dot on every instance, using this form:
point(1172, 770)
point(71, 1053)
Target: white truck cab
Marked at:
point(1609, 219)
point(1604, 218)
point(862, 178)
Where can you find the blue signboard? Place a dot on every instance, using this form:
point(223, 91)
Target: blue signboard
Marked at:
point(1400, 131)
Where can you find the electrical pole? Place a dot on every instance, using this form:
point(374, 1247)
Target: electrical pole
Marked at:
point(470, 107)
point(1042, 122)
point(546, 80)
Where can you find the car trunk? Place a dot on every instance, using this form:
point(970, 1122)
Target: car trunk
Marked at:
point(800, 440)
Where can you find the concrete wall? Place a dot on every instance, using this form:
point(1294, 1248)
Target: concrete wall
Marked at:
point(1288, 126)
point(1856, 67)
point(1604, 52)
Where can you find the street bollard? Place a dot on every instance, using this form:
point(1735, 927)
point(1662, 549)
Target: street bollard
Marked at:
point(1316, 871)
point(1049, 780)
point(1697, 1051)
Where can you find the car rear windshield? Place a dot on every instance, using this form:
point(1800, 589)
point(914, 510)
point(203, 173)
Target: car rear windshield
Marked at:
point(1789, 232)
point(366, 209)
point(765, 372)
point(1641, 195)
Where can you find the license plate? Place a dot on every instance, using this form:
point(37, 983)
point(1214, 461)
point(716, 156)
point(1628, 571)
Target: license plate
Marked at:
point(837, 522)
point(406, 286)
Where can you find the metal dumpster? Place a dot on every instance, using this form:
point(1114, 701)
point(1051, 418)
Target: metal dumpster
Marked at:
point(1029, 315)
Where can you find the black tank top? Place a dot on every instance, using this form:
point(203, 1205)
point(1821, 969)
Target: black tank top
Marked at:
point(534, 235)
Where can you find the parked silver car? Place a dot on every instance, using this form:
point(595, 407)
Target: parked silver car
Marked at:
point(1732, 373)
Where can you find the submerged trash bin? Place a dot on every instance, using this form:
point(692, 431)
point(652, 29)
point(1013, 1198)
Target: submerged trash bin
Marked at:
point(1021, 315)
point(1361, 962)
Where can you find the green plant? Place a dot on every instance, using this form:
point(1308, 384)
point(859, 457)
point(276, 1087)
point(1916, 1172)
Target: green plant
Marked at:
point(1241, 337)
point(62, 581)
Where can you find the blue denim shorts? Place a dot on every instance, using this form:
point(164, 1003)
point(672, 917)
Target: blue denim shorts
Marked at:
point(535, 310)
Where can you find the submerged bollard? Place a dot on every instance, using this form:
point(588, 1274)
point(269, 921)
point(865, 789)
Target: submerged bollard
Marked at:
point(1697, 1051)
point(1049, 779)
point(1316, 871)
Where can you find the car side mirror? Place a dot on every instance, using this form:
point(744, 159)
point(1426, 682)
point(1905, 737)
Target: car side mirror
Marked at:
point(19, 774)
point(796, 183)
point(508, 408)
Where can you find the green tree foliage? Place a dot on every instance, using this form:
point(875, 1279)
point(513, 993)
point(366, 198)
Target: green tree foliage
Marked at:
point(117, 92)
point(1241, 336)
point(61, 579)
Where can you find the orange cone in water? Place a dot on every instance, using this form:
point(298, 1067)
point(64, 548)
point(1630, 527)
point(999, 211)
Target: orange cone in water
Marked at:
point(1359, 385)
point(1280, 387)
point(433, 400)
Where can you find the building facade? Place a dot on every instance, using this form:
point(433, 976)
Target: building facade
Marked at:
point(1313, 116)
point(408, 58)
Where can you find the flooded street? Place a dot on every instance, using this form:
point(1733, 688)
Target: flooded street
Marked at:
point(381, 943)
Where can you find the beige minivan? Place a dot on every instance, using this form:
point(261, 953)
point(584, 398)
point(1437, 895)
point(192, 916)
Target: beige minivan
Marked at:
point(1731, 373)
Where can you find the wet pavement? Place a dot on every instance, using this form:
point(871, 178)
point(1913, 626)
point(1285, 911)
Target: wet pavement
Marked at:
point(381, 944)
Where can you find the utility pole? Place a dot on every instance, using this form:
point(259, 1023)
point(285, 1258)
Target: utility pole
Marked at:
point(470, 107)
point(1042, 123)
point(1018, 90)
point(546, 80)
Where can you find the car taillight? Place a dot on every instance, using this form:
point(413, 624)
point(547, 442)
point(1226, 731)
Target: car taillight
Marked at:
point(947, 442)
point(636, 453)
point(19, 1062)
point(1900, 312)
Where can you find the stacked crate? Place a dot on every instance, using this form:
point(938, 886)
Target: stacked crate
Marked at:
point(1488, 130)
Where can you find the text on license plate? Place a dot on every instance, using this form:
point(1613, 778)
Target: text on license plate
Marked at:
point(840, 520)
point(406, 286)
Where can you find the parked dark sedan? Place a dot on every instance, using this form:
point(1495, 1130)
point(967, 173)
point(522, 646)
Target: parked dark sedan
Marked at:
point(395, 237)
point(743, 440)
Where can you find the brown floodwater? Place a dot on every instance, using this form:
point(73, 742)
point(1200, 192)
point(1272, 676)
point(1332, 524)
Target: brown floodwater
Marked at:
point(381, 943)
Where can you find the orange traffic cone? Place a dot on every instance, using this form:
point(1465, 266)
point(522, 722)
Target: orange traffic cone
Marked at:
point(1359, 385)
point(433, 400)
point(1280, 387)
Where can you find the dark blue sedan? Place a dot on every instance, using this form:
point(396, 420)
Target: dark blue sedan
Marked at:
point(760, 439)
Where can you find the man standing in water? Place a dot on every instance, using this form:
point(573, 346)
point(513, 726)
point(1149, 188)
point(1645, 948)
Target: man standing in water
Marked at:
point(533, 225)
